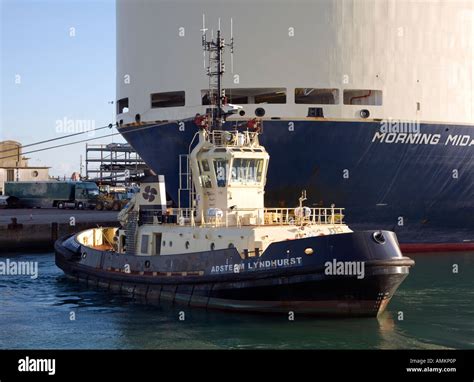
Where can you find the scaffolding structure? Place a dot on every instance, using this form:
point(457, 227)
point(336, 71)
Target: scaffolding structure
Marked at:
point(115, 164)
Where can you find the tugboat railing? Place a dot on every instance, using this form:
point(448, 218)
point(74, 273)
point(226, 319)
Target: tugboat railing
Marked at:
point(233, 138)
point(329, 215)
point(263, 216)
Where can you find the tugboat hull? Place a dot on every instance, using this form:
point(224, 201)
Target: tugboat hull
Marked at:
point(338, 275)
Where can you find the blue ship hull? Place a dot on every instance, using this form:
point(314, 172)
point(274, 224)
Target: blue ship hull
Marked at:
point(284, 278)
point(424, 191)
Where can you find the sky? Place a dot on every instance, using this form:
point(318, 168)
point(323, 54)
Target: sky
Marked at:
point(57, 75)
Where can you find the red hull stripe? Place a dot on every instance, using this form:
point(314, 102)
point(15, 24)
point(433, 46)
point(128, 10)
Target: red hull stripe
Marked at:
point(437, 247)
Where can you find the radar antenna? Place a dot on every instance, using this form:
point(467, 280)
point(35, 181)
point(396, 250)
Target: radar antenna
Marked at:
point(215, 71)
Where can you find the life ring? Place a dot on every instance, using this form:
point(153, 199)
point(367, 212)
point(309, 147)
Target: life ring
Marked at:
point(200, 121)
point(253, 124)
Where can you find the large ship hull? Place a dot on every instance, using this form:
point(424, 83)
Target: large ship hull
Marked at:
point(421, 188)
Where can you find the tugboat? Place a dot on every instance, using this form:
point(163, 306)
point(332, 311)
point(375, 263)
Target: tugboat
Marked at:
point(226, 250)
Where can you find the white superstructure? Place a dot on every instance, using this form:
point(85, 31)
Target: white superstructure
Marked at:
point(228, 171)
point(395, 58)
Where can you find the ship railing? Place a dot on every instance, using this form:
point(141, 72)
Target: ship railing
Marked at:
point(185, 215)
point(233, 138)
point(303, 215)
point(263, 216)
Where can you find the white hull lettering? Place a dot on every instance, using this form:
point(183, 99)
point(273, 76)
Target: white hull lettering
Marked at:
point(258, 264)
point(423, 139)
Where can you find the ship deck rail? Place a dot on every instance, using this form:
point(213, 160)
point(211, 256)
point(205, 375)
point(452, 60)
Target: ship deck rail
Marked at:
point(263, 217)
point(223, 138)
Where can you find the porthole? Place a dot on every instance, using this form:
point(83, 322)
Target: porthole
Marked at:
point(364, 113)
point(213, 246)
point(171, 244)
point(147, 264)
point(187, 245)
point(84, 255)
point(259, 111)
point(164, 243)
point(231, 245)
point(35, 174)
point(242, 113)
point(137, 118)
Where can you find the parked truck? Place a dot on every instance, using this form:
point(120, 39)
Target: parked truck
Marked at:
point(58, 194)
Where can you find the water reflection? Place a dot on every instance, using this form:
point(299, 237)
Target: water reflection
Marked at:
point(437, 312)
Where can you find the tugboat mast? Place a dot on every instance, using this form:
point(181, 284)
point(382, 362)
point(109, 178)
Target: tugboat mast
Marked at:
point(215, 70)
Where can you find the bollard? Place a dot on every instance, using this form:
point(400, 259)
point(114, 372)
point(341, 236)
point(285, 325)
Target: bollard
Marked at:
point(14, 224)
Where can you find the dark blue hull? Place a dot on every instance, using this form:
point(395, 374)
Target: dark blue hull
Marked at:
point(422, 191)
point(284, 278)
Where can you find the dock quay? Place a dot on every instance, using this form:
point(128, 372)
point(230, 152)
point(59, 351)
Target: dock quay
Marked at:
point(37, 229)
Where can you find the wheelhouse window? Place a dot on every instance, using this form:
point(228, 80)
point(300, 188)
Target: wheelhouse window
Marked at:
point(167, 99)
point(205, 178)
point(249, 95)
point(122, 106)
point(317, 96)
point(245, 171)
point(220, 166)
point(205, 165)
point(206, 181)
point(362, 97)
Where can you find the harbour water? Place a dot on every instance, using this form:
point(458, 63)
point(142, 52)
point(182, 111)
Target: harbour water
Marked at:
point(433, 309)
